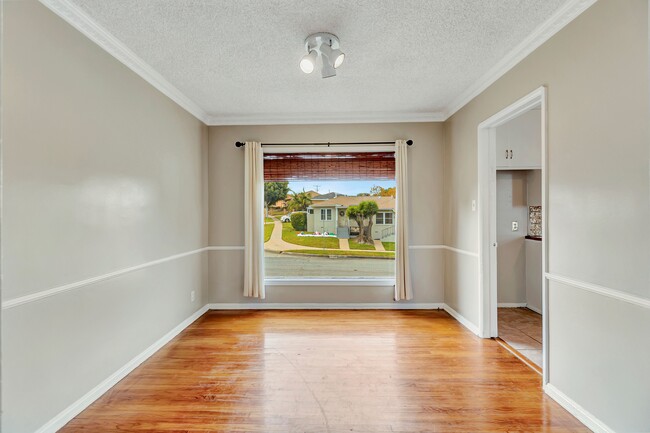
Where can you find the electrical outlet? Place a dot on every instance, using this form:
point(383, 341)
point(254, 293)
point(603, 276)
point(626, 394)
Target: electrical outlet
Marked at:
point(192, 296)
point(515, 226)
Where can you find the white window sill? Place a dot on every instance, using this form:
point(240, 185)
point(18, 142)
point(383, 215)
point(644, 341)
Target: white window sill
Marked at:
point(374, 282)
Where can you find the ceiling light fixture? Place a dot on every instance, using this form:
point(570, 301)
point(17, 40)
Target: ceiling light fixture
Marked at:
point(327, 47)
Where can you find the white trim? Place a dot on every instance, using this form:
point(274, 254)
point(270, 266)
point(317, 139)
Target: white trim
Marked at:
point(460, 318)
point(427, 247)
point(326, 118)
point(537, 310)
point(81, 21)
point(325, 306)
point(33, 297)
point(75, 408)
point(576, 410)
point(225, 248)
point(518, 355)
point(374, 282)
point(512, 305)
point(563, 16)
point(76, 17)
point(443, 247)
point(487, 167)
point(601, 290)
point(459, 251)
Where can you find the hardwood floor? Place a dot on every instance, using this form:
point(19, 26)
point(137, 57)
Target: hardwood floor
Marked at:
point(521, 328)
point(328, 371)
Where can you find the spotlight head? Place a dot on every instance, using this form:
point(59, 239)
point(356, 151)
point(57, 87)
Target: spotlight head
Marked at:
point(338, 57)
point(308, 62)
point(327, 47)
point(335, 57)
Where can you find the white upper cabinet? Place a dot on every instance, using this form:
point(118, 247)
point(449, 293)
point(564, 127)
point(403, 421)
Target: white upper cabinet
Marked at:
point(519, 142)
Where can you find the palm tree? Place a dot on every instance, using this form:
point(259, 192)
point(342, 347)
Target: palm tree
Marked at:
point(300, 201)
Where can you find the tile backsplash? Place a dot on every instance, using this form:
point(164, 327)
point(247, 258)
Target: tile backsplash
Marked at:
point(535, 221)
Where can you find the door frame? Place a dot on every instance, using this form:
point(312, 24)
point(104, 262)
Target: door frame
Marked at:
point(487, 169)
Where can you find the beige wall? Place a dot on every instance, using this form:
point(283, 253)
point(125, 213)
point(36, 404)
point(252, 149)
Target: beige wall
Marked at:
point(511, 253)
point(426, 214)
point(596, 71)
point(101, 172)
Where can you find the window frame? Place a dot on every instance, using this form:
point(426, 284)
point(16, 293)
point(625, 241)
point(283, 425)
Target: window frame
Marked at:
point(383, 218)
point(328, 214)
point(343, 281)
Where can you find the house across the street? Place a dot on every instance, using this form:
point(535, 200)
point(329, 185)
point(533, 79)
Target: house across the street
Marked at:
point(330, 216)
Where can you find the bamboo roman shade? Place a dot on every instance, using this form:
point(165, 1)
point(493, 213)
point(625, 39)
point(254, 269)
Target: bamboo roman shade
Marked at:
point(280, 167)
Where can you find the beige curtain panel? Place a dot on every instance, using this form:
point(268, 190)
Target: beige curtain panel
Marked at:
point(253, 221)
point(403, 288)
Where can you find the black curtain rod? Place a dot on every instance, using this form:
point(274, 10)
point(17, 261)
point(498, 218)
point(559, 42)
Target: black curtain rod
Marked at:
point(328, 144)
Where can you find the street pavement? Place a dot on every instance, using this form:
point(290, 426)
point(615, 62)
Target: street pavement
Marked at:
point(290, 266)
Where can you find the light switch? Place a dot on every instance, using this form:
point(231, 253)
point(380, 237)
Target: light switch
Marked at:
point(515, 226)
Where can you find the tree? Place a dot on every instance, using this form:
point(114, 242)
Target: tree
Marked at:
point(382, 192)
point(362, 215)
point(363, 194)
point(300, 201)
point(274, 191)
point(354, 214)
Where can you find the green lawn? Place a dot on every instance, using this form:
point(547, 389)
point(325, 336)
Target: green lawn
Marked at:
point(354, 245)
point(389, 246)
point(268, 220)
point(345, 253)
point(268, 229)
point(291, 236)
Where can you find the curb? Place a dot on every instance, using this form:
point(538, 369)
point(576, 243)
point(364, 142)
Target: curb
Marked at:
point(335, 256)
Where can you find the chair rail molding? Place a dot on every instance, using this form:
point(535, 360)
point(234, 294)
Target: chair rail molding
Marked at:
point(37, 296)
point(601, 290)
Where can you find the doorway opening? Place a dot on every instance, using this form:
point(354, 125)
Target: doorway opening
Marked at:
point(512, 206)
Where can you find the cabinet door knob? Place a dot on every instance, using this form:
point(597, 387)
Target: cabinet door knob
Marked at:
point(506, 153)
point(511, 154)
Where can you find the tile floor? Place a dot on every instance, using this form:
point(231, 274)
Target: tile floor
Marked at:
point(521, 328)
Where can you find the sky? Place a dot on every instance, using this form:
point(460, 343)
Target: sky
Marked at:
point(347, 187)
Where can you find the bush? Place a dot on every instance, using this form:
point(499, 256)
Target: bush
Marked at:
point(299, 221)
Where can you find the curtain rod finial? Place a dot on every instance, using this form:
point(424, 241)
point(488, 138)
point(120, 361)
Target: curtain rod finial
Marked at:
point(239, 144)
point(409, 142)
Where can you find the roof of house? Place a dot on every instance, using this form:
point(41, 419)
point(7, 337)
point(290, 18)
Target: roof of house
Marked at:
point(343, 201)
point(327, 196)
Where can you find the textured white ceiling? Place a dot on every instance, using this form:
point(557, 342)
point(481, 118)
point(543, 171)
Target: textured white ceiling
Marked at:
point(239, 58)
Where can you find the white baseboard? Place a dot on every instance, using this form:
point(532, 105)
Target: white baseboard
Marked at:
point(75, 408)
point(537, 310)
point(511, 305)
point(463, 321)
point(576, 410)
point(324, 306)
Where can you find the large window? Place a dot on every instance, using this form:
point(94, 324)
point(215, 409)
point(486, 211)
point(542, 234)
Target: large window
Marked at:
point(329, 216)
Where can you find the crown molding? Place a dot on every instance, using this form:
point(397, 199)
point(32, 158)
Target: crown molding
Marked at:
point(81, 21)
point(325, 118)
point(545, 31)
